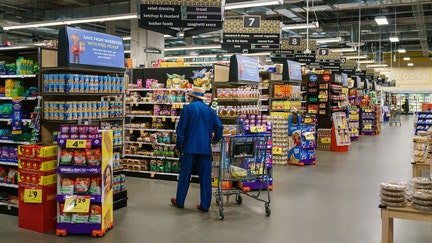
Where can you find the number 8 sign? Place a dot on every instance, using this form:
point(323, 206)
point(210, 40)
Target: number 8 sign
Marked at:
point(294, 41)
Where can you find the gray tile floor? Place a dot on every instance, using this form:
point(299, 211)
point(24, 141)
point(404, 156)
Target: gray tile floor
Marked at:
point(333, 201)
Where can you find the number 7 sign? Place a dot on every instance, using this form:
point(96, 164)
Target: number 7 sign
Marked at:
point(251, 21)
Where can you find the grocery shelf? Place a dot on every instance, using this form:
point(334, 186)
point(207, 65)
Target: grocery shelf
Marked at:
point(9, 185)
point(22, 98)
point(10, 163)
point(13, 142)
point(150, 129)
point(150, 116)
point(149, 143)
point(81, 94)
point(10, 120)
point(18, 76)
point(149, 156)
point(156, 103)
point(163, 89)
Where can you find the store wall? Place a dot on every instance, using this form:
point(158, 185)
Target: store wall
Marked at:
point(412, 76)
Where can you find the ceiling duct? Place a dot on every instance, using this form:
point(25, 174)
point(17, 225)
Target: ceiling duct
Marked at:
point(417, 8)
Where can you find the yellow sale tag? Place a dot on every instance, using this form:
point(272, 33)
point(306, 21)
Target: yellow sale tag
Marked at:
point(152, 175)
point(312, 111)
point(322, 96)
point(77, 204)
point(163, 119)
point(368, 126)
point(309, 136)
point(308, 120)
point(277, 150)
point(325, 140)
point(257, 129)
point(33, 195)
point(76, 143)
point(131, 131)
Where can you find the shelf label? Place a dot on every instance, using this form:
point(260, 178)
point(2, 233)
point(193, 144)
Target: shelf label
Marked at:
point(257, 129)
point(33, 195)
point(326, 140)
point(368, 127)
point(76, 143)
point(277, 150)
point(309, 136)
point(77, 204)
point(322, 96)
point(308, 120)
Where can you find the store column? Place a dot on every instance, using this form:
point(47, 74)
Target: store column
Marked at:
point(146, 46)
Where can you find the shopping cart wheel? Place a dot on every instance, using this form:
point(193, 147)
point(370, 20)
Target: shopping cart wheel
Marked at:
point(267, 209)
point(221, 214)
point(239, 199)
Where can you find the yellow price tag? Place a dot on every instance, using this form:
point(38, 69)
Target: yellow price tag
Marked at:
point(326, 140)
point(131, 131)
point(76, 143)
point(322, 96)
point(308, 120)
point(33, 195)
point(77, 204)
point(257, 129)
point(152, 175)
point(312, 111)
point(277, 150)
point(163, 119)
point(309, 136)
point(368, 127)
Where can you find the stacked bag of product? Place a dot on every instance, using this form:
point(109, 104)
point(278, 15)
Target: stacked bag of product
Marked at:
point(421, 147)
point(393, 193)
point(421, 195)
point(397, 194)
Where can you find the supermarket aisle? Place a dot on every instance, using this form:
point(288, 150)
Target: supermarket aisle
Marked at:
point(334, 201)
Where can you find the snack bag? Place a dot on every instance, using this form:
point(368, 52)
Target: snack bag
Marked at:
point(67, 186)
point(66, 156)
point(79, 157)
point(82, 185)
point(80, 218)
point(95, 214)
point(64, 217)
point(93, 156)
point(95, 186)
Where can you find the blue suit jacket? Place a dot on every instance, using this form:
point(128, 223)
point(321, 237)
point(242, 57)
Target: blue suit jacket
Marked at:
point(194, 130)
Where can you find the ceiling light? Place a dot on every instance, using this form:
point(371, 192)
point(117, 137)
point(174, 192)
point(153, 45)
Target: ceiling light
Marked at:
point(366, 61)
point(401, 50)
point(329, 40)
point(72, 21)
point(127, 51)
point(381, 20)
point(394, 39)
point(127, 38)
point(348, 49)
point(251, 4)
point(181, 48)
point(407, 58)
point(312, 25)
point(410, 64)
point(355, 57)
point(376, 65)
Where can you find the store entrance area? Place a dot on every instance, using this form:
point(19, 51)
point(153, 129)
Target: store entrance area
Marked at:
point(334, 201)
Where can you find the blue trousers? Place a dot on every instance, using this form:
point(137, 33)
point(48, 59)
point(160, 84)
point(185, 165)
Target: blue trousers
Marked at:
point(203, 163)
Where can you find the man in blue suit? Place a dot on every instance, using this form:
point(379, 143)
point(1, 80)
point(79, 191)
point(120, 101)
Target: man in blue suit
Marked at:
point(198, 127)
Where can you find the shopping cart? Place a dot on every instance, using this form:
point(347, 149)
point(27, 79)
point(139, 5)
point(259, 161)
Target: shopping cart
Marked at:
point(395, 117)
point(239, 159)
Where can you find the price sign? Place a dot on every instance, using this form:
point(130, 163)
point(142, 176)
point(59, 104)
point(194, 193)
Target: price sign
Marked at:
point(257, 129)
point(294, 41)
point(322, 96)
point(368, 127)
point(326, 140)
point(309, 136)
point(308, 120)
point(77, 204)
point(251, 21)
point(33, 195)
point(76, 143)
point(312, 111)
point(277, 150)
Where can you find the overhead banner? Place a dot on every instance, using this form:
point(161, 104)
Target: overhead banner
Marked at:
point(172, 16)
point(251, 34)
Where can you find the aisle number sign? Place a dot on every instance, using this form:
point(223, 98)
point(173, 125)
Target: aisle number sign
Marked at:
point(77, 204)
point(33, 195)
point(277, 150)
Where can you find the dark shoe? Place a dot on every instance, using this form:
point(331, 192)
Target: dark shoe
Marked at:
point(174, 203)
point(200, 208)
